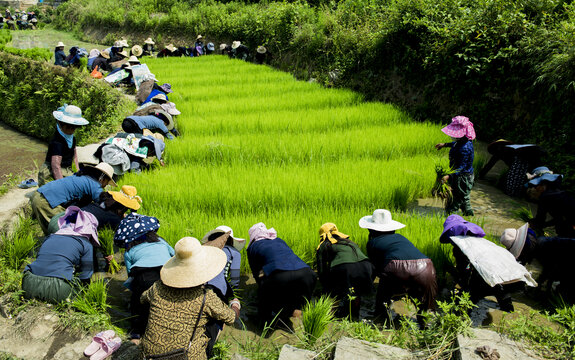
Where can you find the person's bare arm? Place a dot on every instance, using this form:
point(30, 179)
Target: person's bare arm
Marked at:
point(56, 166)
point(76, 160)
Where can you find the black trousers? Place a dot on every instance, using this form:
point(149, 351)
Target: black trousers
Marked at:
point(144, 278)
point(130, 126)
point(285, 291)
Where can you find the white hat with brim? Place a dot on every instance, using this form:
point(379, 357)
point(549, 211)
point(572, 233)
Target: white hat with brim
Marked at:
point(137, 50)
point(171, 124)
point(60, 44)
point(133, 59)
point(261, 50)
point(380, 221)
point(223, 46)
point(105, 54)
point(514, 239)
point(236, 44)
point(149, 41)
point(193, 264)
point(238, 243)
point(171, 48)
point(108, 170)
point(86, 154)
point(70, 114)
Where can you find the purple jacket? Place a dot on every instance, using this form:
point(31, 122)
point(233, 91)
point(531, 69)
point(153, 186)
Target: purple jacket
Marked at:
point(455, 225)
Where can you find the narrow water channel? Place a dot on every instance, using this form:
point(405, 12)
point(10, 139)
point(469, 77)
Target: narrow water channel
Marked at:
point(20, 154)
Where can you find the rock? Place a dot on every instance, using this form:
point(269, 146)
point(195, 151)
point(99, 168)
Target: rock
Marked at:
point(508, 349)
point(292, 353)
point(351, 349)
point(238, 357)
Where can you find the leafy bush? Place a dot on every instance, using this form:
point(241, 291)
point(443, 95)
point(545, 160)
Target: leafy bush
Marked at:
point(30, 90)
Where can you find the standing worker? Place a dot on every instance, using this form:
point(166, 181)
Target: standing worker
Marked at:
point(461, 160)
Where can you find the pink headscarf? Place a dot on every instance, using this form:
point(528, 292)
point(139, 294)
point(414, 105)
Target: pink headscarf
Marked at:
point(86, 224)
point(260, 231)
point(460, 126)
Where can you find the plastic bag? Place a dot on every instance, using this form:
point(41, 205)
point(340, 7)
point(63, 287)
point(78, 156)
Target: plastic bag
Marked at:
point(96, 74)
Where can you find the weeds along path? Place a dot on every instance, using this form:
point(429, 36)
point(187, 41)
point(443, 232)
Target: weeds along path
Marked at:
point(257, 145)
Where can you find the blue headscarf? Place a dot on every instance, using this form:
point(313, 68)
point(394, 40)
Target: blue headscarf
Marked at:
point(133, 227)
point(69, 138)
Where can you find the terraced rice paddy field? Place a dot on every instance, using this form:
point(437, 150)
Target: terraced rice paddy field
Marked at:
point(258, 145)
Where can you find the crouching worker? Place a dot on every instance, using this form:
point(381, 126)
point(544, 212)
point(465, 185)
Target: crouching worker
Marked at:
point(402, 269)
point(554, 254)
point(146, 253)
point(53, 198)
point(284, 280)
point(160, 121)
point(180, 306)
point(344, 270)
point(52, 276)
point(228, 281)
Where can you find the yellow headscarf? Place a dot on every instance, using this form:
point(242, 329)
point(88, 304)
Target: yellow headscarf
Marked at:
point(326, 232)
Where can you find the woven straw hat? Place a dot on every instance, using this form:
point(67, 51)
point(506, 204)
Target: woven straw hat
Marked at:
point(199, 37)
point(105, 54)
point(171, 48)
point(134, 60)
point(238, 243)
point(261, 50)
point(223, 46)
point(124, 53)
point(193, 264)
point(108, 170)
point(236, 44)
point(137, 50)
point(127, 197)
point(380, 221)
point(149, 41)
point(86, 154)
point(60, 44)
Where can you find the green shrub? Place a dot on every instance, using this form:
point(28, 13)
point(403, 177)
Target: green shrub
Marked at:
point(31, 90)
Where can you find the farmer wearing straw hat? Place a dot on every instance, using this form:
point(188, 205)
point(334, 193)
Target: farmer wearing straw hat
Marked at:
point(400, 266)
point(284, 280)
point(261, 54)
point(57, 195)
point(226, 49)
point(60, 55)
point(461, 161)
point(148, 48)
point(180, 306)
point(101, 62)
point(239, 51)
point(343, 269)
point(145, 254)
point(53, 275)
point(228, 281)
point(199, 48)
point(62, 148)
point(559, 205)
point(159, 121)
point(554, 254)
point(136, 51)
point(110, 208)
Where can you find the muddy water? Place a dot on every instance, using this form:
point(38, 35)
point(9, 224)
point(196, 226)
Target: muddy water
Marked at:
point(20, 154)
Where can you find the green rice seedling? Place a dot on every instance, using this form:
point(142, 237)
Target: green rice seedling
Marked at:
point(92, 299)
point(106, 238)
point(17, 246)
point(316, 316)
point(441, 188)
point(523, 214)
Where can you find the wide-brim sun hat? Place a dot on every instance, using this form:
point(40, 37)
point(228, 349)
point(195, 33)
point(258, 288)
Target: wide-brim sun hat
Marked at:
point(236, 44)
point(169, 117)
point(149, 41)
point(134, 60)
point(210, 46)
point(170, 107)
point(94, 53)
point(460, 126)
point(70, 114)
point(159, 99)
point(124, 43)
point(105, 54)
point(85, 154)
point(514, 239)
point(108, 170)
point(199, 37)
point(118, 44)
point(60, 44)
point(261, 50)
point(124, 53)
point(167, 88)
point(171, 47)
point(137, 50)
point(380, 221)
point(127, 196)
point(238, 243)
point(193, 264)
point(223, 46)
point(545, 177)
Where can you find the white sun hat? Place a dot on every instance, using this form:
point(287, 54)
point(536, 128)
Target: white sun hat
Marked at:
point(380, 221)
point(108, 170)
point(70, 114)
point(193, 264)
point(514, 239)
point(60, 44)
point(236, 44)
point(238, 243)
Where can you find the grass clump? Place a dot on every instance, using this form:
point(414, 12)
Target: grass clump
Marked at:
point(16, 246)
point(106, 238)
point(316, 316)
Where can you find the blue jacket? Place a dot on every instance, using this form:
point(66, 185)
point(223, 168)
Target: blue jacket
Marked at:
point(388, 247)
point(461, 156)
point(148, 255)
point(70, 188)
point(150, 122)
point(60, 254)
point(271, 255)
point(59, 57)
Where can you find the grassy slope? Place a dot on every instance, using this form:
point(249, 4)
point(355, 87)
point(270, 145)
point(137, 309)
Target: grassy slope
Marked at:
point(258, 145)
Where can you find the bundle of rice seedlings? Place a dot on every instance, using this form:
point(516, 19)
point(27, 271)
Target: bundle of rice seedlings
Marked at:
point(316, 316)
point(442, 189)
point(106, 237)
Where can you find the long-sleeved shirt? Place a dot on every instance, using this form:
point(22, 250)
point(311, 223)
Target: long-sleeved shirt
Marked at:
point(59, 255)
point(59, 57)
point(269, 255)
point(148, 255)
point(150, 122)
point(387, 247)
point(461, 156)
point(561, 206)
point(343, 252)
point(70, 188)
point(231, 272)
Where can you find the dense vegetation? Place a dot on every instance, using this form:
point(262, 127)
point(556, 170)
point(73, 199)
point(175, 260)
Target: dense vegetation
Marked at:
point(508, 65)
point(30, 90)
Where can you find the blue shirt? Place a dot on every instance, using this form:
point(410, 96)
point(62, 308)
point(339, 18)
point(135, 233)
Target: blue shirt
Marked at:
point(461, 156)
point(148, 255)
point(271, 255)
point(59, 57)
point(70, 188)
point(231, 271)
point(387, 247)
point(150, 122)
point(153, 93)
point(60, 254)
